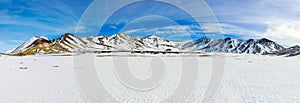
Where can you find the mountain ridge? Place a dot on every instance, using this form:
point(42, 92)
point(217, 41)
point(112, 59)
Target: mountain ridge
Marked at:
point(122, 42)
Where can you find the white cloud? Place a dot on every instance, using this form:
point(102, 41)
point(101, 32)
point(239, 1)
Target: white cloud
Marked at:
point(228, 29)
point(16, 41)
point(81, 29)
point(277, 20)
point(287, 32)
point(168, 31)
point(134, 31)
point(209, 28)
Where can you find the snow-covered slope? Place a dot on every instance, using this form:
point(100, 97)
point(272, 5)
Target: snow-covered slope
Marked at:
point(129, 43)
point(123, 42)
point(292, 51)
point(70, 42)
point(29, 44)
point(251, 46)
point(159, 43)
point(66, 43)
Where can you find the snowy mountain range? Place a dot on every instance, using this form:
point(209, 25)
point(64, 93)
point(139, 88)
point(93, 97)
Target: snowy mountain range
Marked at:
point(122, 42)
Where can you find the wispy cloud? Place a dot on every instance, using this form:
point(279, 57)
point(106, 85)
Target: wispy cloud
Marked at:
point(287, 32)
point(169, 32)
point(184, 32)
point(8, 45)
point(229, 29)
point(22, 19)
point(52, 16)
point(274, 19)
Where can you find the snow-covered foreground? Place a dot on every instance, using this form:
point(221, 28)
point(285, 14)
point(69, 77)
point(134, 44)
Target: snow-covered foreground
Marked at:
point(247, 78)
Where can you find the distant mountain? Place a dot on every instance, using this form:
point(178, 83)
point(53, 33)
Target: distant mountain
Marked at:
point(122, 42)
point(129, 43)
point(292, 51)
point(66, 43)
point(251, 46)
point(29, 44)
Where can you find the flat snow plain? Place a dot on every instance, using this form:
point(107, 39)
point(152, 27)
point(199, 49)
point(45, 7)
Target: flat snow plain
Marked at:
point(247, 78)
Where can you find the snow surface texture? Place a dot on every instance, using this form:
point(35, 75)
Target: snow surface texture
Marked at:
point(247, 78)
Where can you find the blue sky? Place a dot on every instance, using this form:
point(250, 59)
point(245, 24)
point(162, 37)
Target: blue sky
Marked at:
point(278, 20)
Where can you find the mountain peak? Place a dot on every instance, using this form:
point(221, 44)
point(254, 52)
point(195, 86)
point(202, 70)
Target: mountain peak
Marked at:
point(264, 40)
point(228, 38)
point(295, 47)
point(119, 35)
point(38, 37)
point(204, 39)
point(33, 41)
point(67, 35)
point(156, 38)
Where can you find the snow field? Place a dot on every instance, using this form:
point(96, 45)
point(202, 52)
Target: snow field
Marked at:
point(247, 78)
